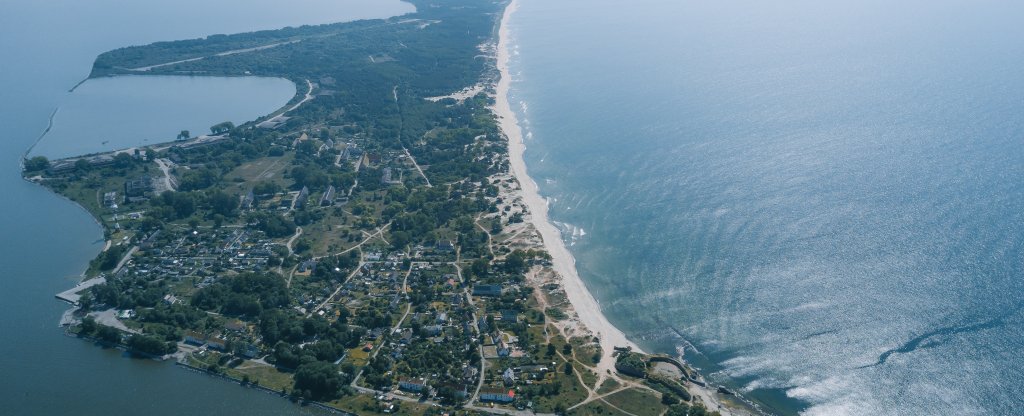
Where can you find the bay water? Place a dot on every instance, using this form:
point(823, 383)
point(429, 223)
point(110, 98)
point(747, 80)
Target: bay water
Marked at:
point(114, 113)
point(824, 199)
point(45, 49)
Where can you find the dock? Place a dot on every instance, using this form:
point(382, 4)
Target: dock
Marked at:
point(73, 295)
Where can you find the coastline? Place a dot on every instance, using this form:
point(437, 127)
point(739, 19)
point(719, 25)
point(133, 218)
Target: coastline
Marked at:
point(583, 302)
point(585, 307)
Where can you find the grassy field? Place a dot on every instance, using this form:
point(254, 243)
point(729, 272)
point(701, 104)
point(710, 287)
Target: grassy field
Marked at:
point(596, 407)
point(267, 376)
point(637, 402)
point(572, 392)
point(608, 386)
point(328, 236)
point(88, 192)
point(362, 404)
point(589, 378)
point(357, 356)
point(584, 351)
point(264, 169)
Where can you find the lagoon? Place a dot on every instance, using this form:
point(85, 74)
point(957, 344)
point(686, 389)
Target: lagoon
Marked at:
point(113, 113)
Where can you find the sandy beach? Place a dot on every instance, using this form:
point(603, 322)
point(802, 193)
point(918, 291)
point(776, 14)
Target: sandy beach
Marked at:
point(583, 302)
point(585, 308)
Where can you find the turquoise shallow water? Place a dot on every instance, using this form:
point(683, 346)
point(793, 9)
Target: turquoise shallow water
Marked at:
point(825, 198)
point(46, 48)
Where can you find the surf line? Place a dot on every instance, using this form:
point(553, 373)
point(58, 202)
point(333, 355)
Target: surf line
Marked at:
point(686, 343)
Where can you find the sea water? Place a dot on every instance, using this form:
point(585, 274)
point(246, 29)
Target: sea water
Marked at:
point(825, 199)
point(46, 47)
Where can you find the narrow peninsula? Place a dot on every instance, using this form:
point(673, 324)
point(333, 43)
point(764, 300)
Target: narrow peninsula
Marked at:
point(369, 248)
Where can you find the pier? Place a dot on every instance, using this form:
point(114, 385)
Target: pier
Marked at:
point(73, 295)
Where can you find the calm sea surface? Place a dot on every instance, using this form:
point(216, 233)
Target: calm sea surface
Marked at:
point(107, 114)
point(825, 198)
point(45, 49)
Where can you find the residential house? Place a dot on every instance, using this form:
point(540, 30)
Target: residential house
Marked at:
point(353, 152)
point(533, 371)
point(432, 330)
point(195, 338)
point(171, 299)
point(459, 391)
point(250, 351)
point(235, 326)
point(247, 201)
point(110, 200)
point(445, 246)
point(500, 395)
point(151, 240)
point(487, 290)
point(217, 343)
point(138, 187)
point(307, 267)
point(509, 316)
point(300, 201)
point(414, 385)
point(469, 373)
point(406, 336)
point(328, 198)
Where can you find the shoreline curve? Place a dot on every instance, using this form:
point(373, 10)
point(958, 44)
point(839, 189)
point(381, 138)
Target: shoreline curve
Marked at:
point(586, 306)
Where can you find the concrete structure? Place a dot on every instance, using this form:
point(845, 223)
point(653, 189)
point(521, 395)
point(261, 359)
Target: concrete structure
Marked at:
point(138, 187)
point(72, 295)
point(247, 201)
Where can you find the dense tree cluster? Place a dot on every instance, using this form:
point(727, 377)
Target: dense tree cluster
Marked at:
point(632, 364)
point(36, 164)
point(196, 179)
point(273, 225)
point(319, 381)
point(150, 345)
point(683, 409)
point(103, 333)
point(108, 259)
point(126, 293)
point(247, 294)
point(177, 315)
